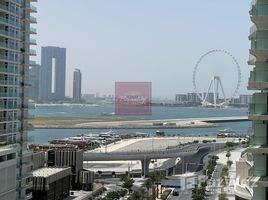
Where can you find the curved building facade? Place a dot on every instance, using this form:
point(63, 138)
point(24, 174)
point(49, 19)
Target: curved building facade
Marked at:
point(15, 42)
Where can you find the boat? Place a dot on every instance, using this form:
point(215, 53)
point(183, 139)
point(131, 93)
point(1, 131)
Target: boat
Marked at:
point(107, 114)
point(225, 133)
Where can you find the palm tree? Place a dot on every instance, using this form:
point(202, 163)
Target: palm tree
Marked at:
point(228, 154)
point(136, 195)
point(148, 184)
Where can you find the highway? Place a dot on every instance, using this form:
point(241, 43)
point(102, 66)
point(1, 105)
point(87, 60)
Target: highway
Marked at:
point(141, 155)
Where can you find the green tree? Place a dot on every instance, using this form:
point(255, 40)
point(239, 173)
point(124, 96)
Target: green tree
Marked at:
point(148, 184)
point(228, 154)
point(229, 163)
point(222, 196)
point(128, 183)
point(136, 195)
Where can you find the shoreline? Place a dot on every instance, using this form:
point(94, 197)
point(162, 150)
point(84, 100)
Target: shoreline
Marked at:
point(80, 123)
point(125, 127)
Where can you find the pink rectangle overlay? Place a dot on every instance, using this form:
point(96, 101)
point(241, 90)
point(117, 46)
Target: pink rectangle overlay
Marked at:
point(133, 98)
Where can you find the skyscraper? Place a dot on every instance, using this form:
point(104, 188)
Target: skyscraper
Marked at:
point(258, 111)
point(15, 42)
point(52, 74)
point(257, 180)
point(77, 85)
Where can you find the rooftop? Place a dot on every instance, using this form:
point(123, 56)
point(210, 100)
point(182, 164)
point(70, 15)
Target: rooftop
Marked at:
point(49, 171)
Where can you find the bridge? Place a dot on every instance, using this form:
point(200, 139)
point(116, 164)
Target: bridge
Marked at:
point(146, 156)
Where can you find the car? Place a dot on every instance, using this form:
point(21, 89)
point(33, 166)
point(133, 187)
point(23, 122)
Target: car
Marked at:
point(175, 192)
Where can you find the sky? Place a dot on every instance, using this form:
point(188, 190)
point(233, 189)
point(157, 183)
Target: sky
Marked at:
point(147, 40)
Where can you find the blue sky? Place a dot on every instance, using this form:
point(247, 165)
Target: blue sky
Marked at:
point(146, 40)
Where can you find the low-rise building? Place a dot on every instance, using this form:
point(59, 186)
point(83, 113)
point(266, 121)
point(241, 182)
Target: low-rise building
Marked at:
point(51, 183)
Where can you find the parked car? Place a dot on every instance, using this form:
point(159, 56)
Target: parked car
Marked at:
point(175, 192)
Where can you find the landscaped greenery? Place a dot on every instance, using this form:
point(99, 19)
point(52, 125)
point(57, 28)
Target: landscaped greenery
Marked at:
point(229, 163)
point(199, 193)
point(223, 196)
point(211, 165)
point(127, 182)
point(114, 195)
point(224, 175)
point(228, 155)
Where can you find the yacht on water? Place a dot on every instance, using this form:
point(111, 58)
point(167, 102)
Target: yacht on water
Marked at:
point(226, 133)
point(83, 141)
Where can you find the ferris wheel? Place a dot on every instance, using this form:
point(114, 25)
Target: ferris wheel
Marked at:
point(215, 86)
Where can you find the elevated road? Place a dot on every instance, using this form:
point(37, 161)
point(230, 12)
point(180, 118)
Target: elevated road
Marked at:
point(146, 156)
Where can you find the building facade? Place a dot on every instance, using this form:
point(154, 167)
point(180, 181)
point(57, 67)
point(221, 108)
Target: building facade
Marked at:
point(181, 98)
point(51, 183)
point(52, 74)
point(77, 86)
point(15, 52)
point(193, 98)
point(257, 181)
point(245, 99)
point(34, 82)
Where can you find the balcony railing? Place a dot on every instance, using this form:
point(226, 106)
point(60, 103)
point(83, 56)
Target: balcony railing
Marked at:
point(259, 9)
point(6, 131)
point(252, 29)
point(259, 109)
point(257, 140)
point(33, 19)
point(259, 75)
point(259, 43)
point(6, 82)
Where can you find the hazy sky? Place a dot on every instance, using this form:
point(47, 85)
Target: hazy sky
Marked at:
point(147, 40)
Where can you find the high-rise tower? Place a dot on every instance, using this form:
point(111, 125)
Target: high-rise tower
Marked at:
point(258, 110)
point(77, 85)
point(15, 42)
point(52, 74)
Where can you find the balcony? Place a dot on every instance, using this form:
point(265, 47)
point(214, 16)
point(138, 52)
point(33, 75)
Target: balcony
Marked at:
point(258, 149)
point(8, 148)
point(30, 8)
point(8, 131)
point(10, 83)
point(4, 45)
point(259, 43)
point(33, 20)
point(258, 145)
point(8, 70)
point(30, 63)
point(258, 9)
point(3, 7)
point(242, 191)
point(258, 79)
point(252, 32)
point(9, 34)
point(251, 60)
point(259, 15)
point(258, 111)
point(33, 30)
point(259, 181)
point(4, 21)
point(31, 41)
point(32, 52)
point(3, 58)
point(8, 95)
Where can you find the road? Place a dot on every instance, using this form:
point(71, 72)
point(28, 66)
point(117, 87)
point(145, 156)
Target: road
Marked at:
point(183, 195)
point(214, 183)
